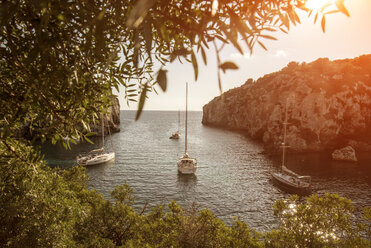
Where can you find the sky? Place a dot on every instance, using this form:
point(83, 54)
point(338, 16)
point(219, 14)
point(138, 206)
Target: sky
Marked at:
point(345, 37)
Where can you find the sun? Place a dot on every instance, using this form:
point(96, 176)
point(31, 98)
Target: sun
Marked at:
point(318, 4)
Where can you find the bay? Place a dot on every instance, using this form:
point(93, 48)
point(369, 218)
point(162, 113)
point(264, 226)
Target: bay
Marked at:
point(233, 177)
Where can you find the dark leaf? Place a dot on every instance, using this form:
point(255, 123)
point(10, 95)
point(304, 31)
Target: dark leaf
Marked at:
point(136, 48)
point(262, 45)
point(283, 30)
point(142, 99)
point(148, 37)
point(161, 79)
point(268, 37)
point(228, 66)
point(88, 140)
point(195, 65)
point(203, 55)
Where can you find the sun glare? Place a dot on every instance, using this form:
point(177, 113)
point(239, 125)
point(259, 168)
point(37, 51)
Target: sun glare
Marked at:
point(317, 4)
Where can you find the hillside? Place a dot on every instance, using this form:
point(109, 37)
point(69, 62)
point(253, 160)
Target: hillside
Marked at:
point(329, 105)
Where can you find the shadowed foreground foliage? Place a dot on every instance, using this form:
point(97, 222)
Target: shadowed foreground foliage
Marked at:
point(44, 207)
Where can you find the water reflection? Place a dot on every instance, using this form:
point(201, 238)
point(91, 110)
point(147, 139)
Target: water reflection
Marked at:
point(186, 186)
point(186, 181)
point(100, 171)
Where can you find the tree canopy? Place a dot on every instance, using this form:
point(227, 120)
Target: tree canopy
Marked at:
point(60, 59)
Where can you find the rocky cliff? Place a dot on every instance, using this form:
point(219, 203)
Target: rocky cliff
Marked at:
point(111, 120)
point(329, 106)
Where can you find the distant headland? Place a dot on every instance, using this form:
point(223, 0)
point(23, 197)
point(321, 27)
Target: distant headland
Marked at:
point(329, 106)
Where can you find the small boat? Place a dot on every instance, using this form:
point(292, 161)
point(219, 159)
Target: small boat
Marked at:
point(186, 164)
point(176, 135)
point(288, 180)
point(96, 156)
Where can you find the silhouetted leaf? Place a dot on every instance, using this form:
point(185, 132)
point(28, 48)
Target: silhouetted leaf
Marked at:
point(136, 48)
point(268, 37)
point(283, 30)
point(203, 55)
point(142, 99)
point(148, 37)
point(88, 140)
point(285, 20)
point(228, 66)
point(195, 65)
point(341, 7)
point(323, 23)
point(177, 53)
point(262, 45)
point(161, 79)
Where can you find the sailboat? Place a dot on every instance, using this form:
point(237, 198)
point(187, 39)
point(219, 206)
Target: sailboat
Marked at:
point(186, 164)
point(97, 156)
point(176, 135)
point(287, 179)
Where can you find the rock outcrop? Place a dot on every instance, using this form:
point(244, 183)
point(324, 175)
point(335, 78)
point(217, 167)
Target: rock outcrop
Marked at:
point(329, 106)
point(111, 120)
point(345, 154)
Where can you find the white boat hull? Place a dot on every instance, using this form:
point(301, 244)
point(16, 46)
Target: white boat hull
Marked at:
point(96, 159)
point(187, 165)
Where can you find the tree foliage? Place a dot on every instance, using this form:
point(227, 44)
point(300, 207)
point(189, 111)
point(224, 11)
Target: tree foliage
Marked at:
point(318, 222)
point(59, 61)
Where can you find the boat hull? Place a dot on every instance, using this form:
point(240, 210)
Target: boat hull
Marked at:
point(175, 136)
point(187, 165)
point(98, 159)
point(290, 184)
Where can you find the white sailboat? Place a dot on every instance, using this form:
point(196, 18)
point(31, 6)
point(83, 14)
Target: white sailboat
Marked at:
point(186, 164)
point(287, 179)
point(97, 156)
point(176, 135)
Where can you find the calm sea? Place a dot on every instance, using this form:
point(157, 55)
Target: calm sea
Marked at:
point(233, 177)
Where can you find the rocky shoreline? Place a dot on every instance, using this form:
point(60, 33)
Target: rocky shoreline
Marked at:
point(328, 102)
point(111, 120)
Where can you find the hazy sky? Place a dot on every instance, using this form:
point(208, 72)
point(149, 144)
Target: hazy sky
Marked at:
point(344, 38)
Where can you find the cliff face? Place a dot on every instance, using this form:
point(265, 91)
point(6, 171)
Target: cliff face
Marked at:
point(329, 106)
point(111, 120)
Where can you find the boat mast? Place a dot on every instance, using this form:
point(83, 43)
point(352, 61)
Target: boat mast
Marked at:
point(186, 119)
point(102, 117)
point(178, 120)
point(284, 137)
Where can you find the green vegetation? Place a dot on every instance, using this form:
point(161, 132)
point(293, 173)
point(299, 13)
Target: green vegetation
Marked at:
point(59, 62)
point(43, 207)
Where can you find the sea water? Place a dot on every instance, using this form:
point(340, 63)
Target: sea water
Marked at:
point(233, 175)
